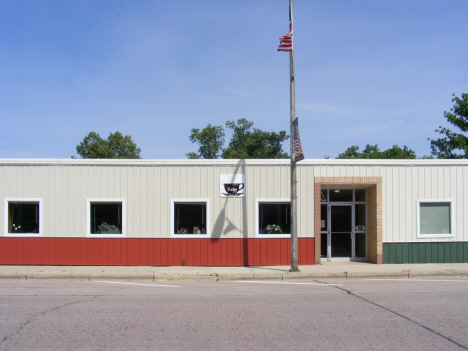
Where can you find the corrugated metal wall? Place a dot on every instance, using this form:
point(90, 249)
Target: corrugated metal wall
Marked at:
point(148, 187)
point(426, 252)
point(153, 252)
point(403, 183)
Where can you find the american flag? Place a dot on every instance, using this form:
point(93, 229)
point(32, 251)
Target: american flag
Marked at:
point(298, 155)
point(286, 41)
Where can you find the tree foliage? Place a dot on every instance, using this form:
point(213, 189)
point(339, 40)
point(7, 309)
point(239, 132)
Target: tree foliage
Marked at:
point(244, 142)
point(116, 146)
point(253, 144)
point(373, 152)
point(453, 145)
point(210, 139)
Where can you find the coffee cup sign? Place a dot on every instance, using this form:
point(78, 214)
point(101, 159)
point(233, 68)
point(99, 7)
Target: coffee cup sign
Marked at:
point(233, 188)
point(232, 185)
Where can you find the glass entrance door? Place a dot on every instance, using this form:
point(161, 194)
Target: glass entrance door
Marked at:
point(343, 225)
point(341, 231)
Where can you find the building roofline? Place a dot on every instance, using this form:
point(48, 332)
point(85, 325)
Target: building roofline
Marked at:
point(228, 162)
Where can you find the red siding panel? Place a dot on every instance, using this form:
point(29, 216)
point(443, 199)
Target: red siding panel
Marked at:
point(250, 252)
point(150, 251)
point(111, 259)
point(188, 253)
point(163, 252)
point(238, 252)
point(211, 253)
point(264, 252)
point(229, 252)
point(197, 252)
point(176, 255)
point(134, 251)
point(158, 252)
point(271, 252)
point(101, 253)
point(203, 252)
point(144, 260)
point(170, 252)
point(302, 250)
point(217, 249)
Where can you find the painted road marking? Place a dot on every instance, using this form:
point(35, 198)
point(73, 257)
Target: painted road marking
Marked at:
point(155, 285)
point(256, 281)
point(424, 280)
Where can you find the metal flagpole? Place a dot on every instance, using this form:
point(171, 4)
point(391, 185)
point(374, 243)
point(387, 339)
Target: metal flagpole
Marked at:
point(286, 44)
point(294, 258)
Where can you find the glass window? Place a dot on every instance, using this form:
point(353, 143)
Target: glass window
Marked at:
point(324, 218)
point(324, 195)
point(360, 245)
point(435, 218)
point(360, 195)
point(360, 217)
point(341, 195)
point(23, 217)
point(323, 245)
point(106, 218)
point(274, 218)
point(189, 218)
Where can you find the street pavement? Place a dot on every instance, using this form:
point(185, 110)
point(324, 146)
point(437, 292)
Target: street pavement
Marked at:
point(426, 313)
point(343, 270)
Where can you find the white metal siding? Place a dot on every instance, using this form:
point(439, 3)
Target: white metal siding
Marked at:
point(149, 186)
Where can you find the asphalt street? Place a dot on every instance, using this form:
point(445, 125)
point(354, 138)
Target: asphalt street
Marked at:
point(326, 314)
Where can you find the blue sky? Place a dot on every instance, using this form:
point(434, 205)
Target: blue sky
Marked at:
point(379, 72)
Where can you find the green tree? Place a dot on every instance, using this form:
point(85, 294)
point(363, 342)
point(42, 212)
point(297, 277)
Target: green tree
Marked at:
point(373, 152)
point(453, 145)
point(253, 144)
point(122, 146)
point(116, 146)
point(244, 142)
point(210, 139)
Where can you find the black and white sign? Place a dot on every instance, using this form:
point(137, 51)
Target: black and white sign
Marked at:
point(232, 185)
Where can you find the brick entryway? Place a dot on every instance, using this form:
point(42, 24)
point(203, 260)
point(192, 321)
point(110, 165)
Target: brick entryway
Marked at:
point(373, 186)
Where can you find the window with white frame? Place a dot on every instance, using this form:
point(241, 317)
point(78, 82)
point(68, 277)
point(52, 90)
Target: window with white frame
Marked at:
point(273, 218)
point(435, 218)
point(23, 217)
point(106, 218)
point(190, 218)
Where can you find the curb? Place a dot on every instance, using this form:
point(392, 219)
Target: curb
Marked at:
point(226, 277)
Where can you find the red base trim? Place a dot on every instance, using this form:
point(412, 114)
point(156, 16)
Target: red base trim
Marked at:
point(153, 252)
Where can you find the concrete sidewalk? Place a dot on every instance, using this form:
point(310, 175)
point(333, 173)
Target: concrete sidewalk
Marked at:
point(325, 270)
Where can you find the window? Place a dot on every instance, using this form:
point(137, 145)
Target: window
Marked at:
point(106, 218)
point(190, 218)
point(360, 195)
point(435, 218)
point(273, 218)
point(23, 217)
point(341, 195)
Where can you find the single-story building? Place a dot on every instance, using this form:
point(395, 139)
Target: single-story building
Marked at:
point(231, 212)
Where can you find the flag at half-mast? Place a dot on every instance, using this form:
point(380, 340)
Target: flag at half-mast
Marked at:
point(286, 41)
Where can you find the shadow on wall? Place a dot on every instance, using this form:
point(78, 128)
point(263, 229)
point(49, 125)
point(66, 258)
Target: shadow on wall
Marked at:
point(223, 226)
